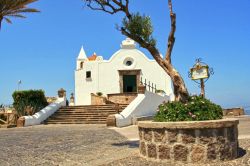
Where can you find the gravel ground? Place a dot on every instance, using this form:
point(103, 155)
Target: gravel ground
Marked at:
point(80, 145)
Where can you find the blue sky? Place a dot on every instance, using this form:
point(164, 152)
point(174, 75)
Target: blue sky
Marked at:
point(41, 50)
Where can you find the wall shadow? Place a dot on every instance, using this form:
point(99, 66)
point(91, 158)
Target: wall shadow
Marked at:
point(241, 152)
point(130, 144)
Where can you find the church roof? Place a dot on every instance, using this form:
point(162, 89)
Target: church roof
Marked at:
point(82, 54)
point(92, 57)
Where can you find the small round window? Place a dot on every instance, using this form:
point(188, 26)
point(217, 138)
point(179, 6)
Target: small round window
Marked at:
point(129, 63)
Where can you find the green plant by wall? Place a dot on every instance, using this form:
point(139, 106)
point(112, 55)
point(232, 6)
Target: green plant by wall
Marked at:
point(160, 91)
point(99, 93)
point(196, 109)
point(33, 100)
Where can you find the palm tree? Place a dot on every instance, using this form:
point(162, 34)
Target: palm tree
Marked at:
point(14, 8)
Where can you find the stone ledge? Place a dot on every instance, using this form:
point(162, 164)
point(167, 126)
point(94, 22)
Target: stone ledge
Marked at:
point(190, 124)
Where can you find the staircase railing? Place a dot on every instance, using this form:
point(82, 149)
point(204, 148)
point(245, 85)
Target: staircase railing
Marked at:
point(150, 86)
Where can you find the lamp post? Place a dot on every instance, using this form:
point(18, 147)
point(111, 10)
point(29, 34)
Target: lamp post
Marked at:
point(200, 71)
point(19, 84)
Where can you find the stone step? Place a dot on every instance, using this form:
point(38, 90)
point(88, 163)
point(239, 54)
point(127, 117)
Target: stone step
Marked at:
point(80, 122)
point(87, 114)
point(84, 114)
point(86, 117)
point(87, 111)
point(71, 121)
point(75, 117)
point(81, 115)
point(92, 109)
point(94, 112)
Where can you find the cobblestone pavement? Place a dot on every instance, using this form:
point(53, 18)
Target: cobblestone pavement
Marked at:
point(62, 145)
point(70, 145)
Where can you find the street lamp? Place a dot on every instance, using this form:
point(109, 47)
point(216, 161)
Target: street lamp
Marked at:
point(200, 71)
point(19, 84)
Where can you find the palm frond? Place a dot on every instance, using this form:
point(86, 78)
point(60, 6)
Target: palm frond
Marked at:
point(17, 15)
point(15, 8)
point(7, 20)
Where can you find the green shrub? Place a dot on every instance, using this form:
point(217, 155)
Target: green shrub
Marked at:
point(160, 91)
point(99, 93)
point(196, 109)
point(29, 99)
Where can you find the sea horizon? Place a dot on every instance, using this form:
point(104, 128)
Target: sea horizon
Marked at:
point(247, 112)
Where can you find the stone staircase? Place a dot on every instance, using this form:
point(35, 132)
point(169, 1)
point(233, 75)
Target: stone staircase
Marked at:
point(87, 114)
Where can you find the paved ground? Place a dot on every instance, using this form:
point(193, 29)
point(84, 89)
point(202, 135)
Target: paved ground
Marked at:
point(87, 145)
point(62, 145)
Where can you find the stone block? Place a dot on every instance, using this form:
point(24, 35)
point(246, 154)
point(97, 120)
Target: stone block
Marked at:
point(111, 121)
point(140, 133)
point(234, 149)
point(206, 136)
point(212, 151)
point(164, 152)
point(152, 151)
point(198, 153)
point(159, 135)
point(231, 134)
point(225, 152)
point(148, 135)
point(220, 135)
point(142, 148)
point(20, 122)
point(180, 152)
point(188, 136)
point(172, 136)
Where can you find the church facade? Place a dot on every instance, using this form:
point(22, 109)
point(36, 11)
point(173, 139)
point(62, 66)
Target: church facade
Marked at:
point(122, 73)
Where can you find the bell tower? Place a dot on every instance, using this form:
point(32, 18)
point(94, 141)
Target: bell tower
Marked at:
point(81, 59)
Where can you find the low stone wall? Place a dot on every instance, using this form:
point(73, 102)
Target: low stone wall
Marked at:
point(186, 142)
point(98, 100)
point(122, 98)
point(233, 112)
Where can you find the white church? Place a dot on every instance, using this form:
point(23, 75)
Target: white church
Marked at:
point(120, 74)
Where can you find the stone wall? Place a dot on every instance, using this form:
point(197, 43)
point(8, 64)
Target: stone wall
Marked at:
point(189, 142)
point(98, 100)
point(233, 112)
point(122, 98)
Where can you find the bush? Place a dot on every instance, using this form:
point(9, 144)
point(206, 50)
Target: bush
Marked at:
point(196, 109)
point(99, 93)
point(30, 99)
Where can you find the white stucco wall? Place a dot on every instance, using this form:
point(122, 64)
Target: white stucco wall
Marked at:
point(105, 75)
point(143, 105)
point(45, 113)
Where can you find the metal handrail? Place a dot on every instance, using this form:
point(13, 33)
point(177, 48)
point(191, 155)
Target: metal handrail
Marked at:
point(149, 86)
